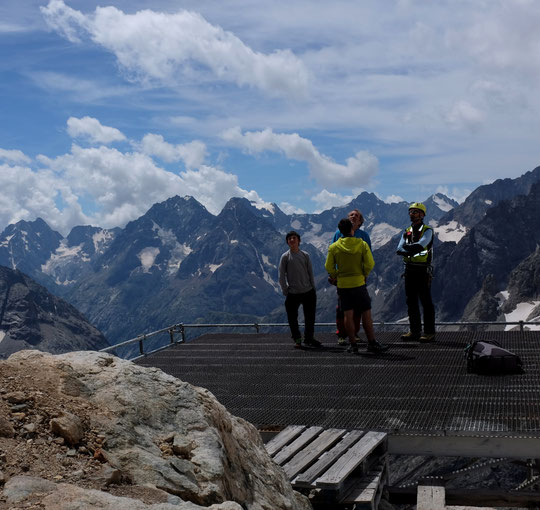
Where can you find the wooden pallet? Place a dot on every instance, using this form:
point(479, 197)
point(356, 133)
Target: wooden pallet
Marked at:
point(338, 465)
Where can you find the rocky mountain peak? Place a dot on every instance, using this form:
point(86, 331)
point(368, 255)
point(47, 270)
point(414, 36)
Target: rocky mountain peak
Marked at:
point(31, 317)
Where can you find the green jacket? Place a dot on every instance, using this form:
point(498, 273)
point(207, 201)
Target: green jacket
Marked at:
point(350, 261)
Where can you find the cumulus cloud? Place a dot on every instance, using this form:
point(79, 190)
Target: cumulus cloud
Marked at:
point(93, 130)
point(394, 199)
point(357, 171)
point(192, 154)
point(326, 200)
point(170, 48)
point(290, 209)
point(106, 187)
point(28, 194)
point(14, 156)
point(457, 194)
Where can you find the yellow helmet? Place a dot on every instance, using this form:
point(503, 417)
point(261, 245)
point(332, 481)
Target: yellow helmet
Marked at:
point(418, 205)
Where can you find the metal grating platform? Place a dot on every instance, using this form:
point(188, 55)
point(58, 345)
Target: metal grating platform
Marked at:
point(412, 388)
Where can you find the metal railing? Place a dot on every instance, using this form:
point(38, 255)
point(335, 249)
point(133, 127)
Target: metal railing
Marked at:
point(177, 332)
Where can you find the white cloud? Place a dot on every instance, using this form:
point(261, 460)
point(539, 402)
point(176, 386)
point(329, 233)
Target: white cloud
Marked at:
point(326, 200)
point(14, 156)
point(357, 172)
point(394, 199)
point(192, 154)
point(171, 48)
point(92, 129)
point(457, 194)
point(290, 209)
point(464, 115)
point(106, 187)
point(28, 194)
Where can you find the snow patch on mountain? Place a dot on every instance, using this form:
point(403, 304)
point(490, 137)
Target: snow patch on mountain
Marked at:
point(442, 204)
point(296, 224)
point(101, 240)
point(62, 257)
point(452, 231)
point(178, 253)
point(214, 267)
point(381, 234)
point(523, 312)
point(2, 335)
point(147, 256)
point(321, 241)
point(6, 241)
point(266, 260)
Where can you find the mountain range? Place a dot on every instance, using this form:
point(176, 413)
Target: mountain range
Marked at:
point(179, 263)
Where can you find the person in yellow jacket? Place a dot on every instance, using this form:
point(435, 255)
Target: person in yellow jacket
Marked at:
point(349, 260)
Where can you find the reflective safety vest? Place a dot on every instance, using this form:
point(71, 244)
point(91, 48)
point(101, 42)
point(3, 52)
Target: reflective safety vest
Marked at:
point(423, 257)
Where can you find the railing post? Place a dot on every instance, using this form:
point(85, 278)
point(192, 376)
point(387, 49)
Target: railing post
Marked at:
point(171, 335)
point(141, 344)
point(183, 332)
point(521, 326)
point(257, 329)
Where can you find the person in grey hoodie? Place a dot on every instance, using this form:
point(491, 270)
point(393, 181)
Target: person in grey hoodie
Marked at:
point(298, 287)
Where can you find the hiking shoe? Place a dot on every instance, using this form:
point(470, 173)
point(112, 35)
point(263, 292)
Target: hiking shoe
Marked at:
point(353, 349)
point(376, 347)
point(313, 343)
point(410, 337)
point(298, 343)
point(427, 337)
point(342, 341)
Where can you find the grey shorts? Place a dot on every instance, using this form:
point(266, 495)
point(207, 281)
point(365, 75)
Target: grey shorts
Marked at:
point(355, 298)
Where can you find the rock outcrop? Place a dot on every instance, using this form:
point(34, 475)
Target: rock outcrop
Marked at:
point(89, 430)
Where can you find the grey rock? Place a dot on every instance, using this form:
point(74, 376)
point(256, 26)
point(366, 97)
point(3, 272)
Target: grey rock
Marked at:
point(223, 457)
point(69, 427)
point(18, 488)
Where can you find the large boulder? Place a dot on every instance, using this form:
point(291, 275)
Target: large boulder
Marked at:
point(142, 428)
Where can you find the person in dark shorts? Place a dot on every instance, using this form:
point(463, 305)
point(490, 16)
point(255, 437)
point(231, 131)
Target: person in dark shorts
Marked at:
point(349, 260)
point(298, 287)
point(357, 220)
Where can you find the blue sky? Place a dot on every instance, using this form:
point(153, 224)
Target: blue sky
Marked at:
point(108, 107)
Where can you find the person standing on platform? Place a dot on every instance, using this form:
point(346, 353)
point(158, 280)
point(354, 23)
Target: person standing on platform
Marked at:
point(416, 248)
point(298, 287)
point(357, 220)
point(349, 261)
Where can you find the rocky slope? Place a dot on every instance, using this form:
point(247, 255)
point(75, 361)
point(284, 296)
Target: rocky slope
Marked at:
point(31, 317)
point(87, 430)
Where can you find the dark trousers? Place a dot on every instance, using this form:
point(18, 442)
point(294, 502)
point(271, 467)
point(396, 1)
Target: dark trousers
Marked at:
point(308, 300)
point(418, 288)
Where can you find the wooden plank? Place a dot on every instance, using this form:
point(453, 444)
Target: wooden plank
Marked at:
point(365, 490)
point(478, 497)
point(307, 479)
point(347, 463)
point(284, 437)
point(430, 497)
point(303, 459)
point(287, 452)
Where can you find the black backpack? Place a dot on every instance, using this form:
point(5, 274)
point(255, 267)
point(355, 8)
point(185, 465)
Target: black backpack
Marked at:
point(489, 358)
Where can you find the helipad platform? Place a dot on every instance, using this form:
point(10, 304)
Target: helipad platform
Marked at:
point(414, 390)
